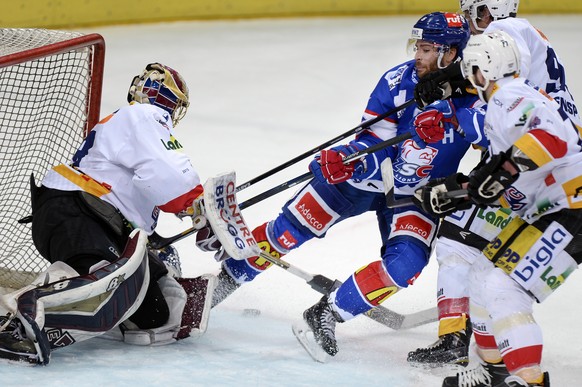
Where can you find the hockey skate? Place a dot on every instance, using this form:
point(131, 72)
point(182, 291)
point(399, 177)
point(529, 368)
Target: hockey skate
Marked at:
point(449, 349)
point(516, 381)
point(317, 333)
point(484, 375)
point(225, 287)
point(14, 345)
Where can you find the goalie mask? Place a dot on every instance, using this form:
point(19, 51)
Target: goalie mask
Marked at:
point(163, 87)
point(499, 9)
point(495, 54)
point(444, 30)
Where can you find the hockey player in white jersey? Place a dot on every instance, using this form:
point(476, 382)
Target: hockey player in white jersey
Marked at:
point(91, 219)
point(465, 233)
point(534, 170)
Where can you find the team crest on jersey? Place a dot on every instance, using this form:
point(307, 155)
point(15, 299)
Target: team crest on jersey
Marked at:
point(515, 198)
point(414, 163)
point(164, 123)
point(394, 78)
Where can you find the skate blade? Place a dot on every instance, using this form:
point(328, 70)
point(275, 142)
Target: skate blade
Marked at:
point(453, 367)
point(305, 337)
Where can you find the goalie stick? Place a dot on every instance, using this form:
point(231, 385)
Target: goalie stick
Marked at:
point(157, 241)
point(380, 314)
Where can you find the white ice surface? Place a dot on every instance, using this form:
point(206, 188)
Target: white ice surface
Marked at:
point(263, 92)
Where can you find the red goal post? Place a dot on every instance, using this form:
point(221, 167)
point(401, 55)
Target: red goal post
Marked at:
point(50, 98)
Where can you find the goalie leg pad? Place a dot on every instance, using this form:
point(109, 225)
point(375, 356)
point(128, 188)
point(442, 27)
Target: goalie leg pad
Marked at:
point(79, 308)
point(196, 312)
point(55, 272)
point(61, 313)
point(189, 300)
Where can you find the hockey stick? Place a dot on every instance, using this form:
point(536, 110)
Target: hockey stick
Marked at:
point(309, 175)
point(319, 148)
point(392, 202)
point(157, 241)
point(379, 314)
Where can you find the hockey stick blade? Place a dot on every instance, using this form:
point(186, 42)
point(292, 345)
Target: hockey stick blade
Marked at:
point(404, 321)
point(380, 314)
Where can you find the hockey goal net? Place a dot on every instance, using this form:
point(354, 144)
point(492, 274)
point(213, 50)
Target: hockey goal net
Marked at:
point(50, 96)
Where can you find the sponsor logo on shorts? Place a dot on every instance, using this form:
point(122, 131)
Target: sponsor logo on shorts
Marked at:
point(554, 240)
point(310, 209)
point(413, 224)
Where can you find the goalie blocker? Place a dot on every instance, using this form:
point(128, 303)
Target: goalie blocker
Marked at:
point(224, 215)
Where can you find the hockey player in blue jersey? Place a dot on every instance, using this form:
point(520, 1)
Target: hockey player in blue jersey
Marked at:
point(442, 133)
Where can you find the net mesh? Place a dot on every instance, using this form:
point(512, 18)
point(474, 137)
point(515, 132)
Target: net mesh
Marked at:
point(43, 111)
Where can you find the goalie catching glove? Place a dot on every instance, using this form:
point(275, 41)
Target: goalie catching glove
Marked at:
point(488, 182)
point(434, 196)
point(206, 240)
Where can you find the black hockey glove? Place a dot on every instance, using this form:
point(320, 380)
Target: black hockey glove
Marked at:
point(487, 183)
point(440, 84)
point(434, 196)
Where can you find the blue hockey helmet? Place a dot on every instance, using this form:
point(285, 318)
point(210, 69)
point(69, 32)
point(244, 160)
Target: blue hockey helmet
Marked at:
point(443, 29)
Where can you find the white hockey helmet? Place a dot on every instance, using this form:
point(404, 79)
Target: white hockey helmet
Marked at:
point(499, 9)
point(163, 87)
point(495, 54)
